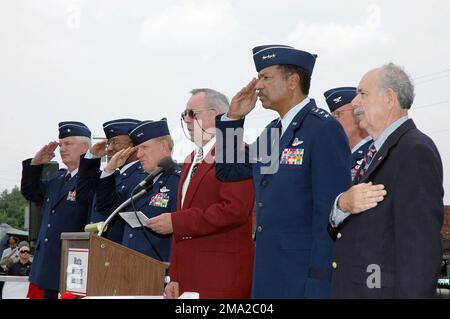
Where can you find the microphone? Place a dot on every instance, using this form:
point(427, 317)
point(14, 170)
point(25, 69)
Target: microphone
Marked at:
point(166, 164)
point(94, 227)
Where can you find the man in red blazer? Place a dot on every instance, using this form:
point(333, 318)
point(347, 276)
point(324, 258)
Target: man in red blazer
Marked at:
point(212, 246)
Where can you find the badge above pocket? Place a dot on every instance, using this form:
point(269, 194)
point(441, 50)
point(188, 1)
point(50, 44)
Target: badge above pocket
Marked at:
point(72, 196)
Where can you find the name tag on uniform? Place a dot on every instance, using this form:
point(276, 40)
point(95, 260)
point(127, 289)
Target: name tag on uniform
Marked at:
point(160, 200)
point(292, 156)
point(72, 196)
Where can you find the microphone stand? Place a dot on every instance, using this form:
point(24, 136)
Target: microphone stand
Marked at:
point(117, 210)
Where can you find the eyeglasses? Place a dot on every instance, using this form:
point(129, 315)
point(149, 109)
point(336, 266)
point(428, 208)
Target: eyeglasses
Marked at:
point(192, 113)
point(114, 143)
point(338, 114)
point(24, 251)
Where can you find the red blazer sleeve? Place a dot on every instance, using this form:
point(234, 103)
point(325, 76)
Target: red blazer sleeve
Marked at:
point(229, 211)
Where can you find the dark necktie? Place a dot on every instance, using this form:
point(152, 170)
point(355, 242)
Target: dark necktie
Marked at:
point(67, 177)
point(366, 161)
point(197, 160)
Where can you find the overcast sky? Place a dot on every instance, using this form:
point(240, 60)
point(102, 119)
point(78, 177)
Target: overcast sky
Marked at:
point(93, 61)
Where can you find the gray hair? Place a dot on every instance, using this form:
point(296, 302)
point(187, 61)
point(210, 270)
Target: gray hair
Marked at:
point(85, 139)
point(214, 99)
point(168, 138)
point(394, 77)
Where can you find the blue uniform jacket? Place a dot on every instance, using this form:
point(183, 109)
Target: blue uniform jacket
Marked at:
point(65, 209)
point(293, 250)
point(128, 179)
point(160, 199)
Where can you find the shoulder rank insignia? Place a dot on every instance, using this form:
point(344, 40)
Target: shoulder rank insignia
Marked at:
point(320, 112)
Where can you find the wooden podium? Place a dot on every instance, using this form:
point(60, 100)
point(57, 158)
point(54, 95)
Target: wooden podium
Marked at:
point(95, 266)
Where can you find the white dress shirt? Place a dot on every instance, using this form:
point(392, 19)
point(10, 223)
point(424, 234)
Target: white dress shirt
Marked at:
point(206, 149)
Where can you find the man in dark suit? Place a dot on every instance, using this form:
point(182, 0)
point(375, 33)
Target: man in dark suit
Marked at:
point(309, 167)
point(212, 247)
point(388, 244)
point(339, 102)
point(63, 209)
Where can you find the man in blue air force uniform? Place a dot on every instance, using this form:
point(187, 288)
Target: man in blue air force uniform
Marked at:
point(153, 142)
point(309, 165)
point(339, 102)
point(128, 176)
point(63, 209)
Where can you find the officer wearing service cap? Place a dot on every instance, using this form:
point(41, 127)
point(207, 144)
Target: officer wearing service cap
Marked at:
point(152, 142)
point(312, 165)
point(339, 102)
point(62, 208)
point(126, 177)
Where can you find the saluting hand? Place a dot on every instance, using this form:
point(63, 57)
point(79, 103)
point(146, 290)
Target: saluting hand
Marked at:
point(119, 159)
point(99, 148)
point(45, 154)
point(361, 197)
point(244, 101)
point(161, 224)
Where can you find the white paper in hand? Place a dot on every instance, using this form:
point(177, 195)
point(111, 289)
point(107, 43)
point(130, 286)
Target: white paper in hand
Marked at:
point(130, 218)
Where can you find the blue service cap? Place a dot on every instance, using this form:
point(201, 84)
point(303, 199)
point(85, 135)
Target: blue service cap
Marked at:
point(267, 55)
point(147, 130)
point(119, 127)
point(339, 96)
point(71, 128)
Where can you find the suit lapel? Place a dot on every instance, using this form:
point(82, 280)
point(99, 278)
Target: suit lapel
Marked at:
point(383, 153)
point(286, 139)
point(203, 168)
point(117, 178)
point(71, 184)
point(294, 126)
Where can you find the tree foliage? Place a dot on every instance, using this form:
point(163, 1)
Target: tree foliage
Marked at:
point(12, 205)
